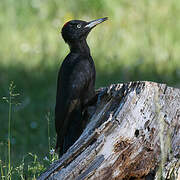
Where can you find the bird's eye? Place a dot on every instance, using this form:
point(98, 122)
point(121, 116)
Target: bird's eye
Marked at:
point(79, 26)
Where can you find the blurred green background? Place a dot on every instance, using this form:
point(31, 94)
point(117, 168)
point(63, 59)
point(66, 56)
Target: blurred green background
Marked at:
point(140, 41)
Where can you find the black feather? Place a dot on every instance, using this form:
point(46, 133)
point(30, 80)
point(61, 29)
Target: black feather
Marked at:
point(75, 85)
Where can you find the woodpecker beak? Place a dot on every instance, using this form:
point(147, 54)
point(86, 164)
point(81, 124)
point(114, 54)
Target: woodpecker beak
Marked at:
point(93, 23)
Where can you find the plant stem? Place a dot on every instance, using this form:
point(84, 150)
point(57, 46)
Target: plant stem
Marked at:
point(9, 130)
point(49, 145)
point(2, 173)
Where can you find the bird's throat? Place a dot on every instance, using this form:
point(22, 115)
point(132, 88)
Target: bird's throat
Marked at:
point(80, 47)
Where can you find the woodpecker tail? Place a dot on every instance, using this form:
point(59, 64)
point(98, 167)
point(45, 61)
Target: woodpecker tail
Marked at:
point(73, 131)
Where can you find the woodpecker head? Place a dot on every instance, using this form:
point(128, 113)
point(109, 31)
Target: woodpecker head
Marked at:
point(76, 30)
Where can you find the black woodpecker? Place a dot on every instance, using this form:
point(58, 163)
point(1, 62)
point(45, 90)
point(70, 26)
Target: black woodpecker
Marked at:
point(75, 84)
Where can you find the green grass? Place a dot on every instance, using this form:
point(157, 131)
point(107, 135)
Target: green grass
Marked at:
point(31, 166)
point(140, 41)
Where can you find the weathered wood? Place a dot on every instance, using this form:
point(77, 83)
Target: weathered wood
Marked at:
point(134, 132)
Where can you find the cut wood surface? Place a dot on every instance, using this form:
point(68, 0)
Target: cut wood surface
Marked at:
point(134, 132)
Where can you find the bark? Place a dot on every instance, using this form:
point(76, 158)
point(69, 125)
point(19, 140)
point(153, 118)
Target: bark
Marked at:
point(134, 132)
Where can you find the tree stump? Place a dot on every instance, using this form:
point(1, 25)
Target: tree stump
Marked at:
point(134, 133)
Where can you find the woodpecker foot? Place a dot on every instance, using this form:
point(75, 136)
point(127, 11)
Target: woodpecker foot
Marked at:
point(101, 94)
